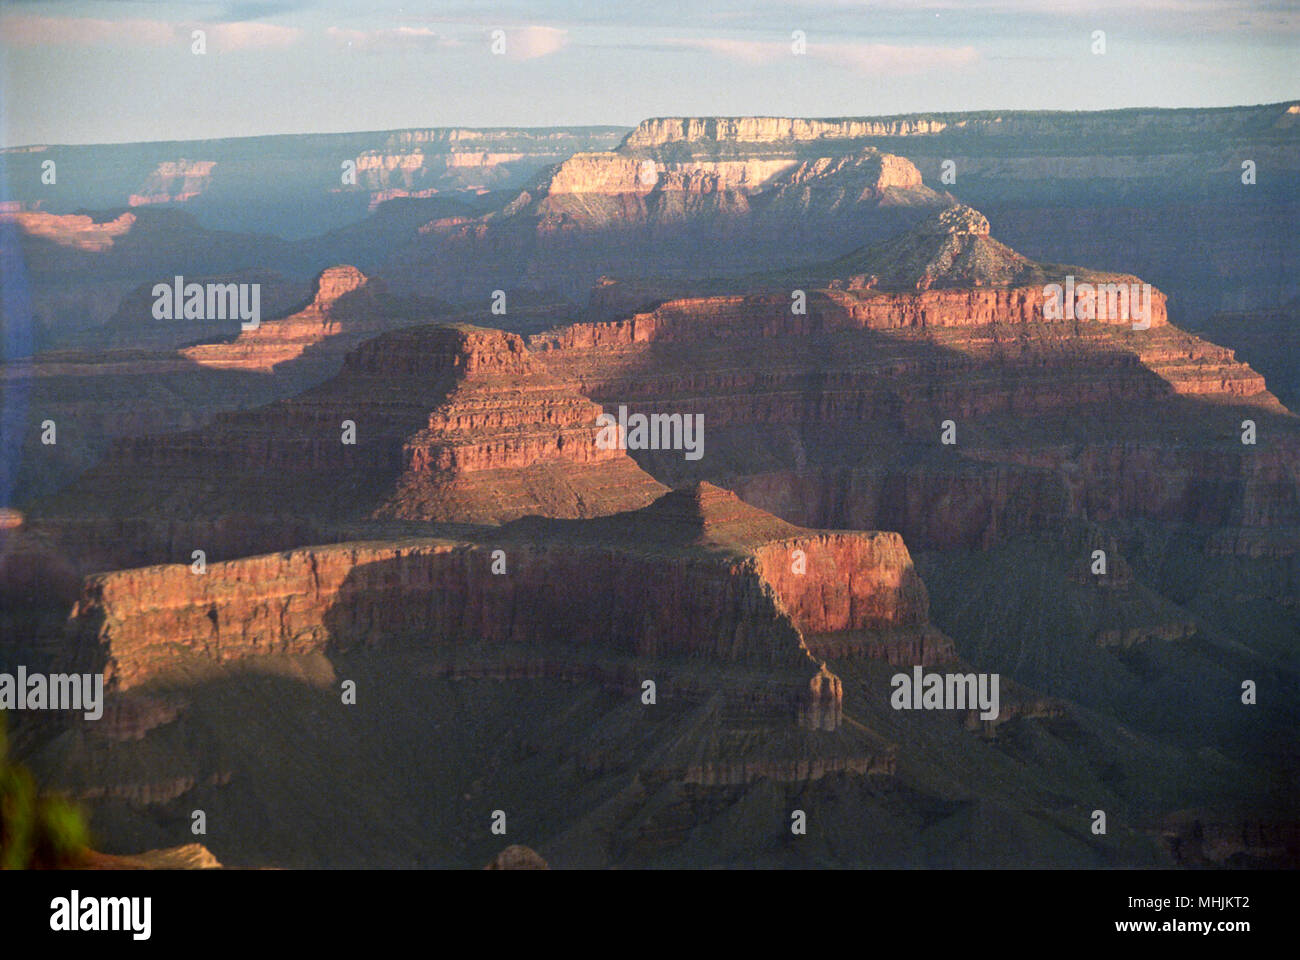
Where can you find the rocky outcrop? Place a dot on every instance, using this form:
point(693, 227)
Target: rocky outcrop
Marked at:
point(944, 272)
point(345, 308)
point(159, 387)
point(711, 596)
point(190, 856)
point(509, 439)
point(710, 132)
point(628, 211)
point(666, 130)
point(448, 422)
point(236, 180)
point(131, 716)
point(892, 367)
point(751, 195)
point(72, 230)
point(152, 792)
point(1268, 340)
point(607, 173)
point(174, 181)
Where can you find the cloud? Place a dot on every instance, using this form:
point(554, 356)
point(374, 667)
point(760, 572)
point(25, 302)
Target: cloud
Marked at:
point(529, 43)
point(34, 31)
point(872, 59)
point(390, 39)
point(521, 42)
point(250, 36)
point(882, 58)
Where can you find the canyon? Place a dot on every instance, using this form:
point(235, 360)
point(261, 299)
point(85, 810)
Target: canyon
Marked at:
point(911, 459)
point(456, 213)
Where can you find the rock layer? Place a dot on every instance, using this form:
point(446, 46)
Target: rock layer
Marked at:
point(720, 597)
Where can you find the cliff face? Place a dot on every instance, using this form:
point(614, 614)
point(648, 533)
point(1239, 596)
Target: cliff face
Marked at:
point(608, 173)
point(861, 176)
point(828, 310)
point(72, 230)
point(710, 131)
point(441, 593)
point(451, 423)
point(345, 308)
point(507, 440)
point(456, 424)
point(156, 387)
point(724, 606)
point(888, 368)
point(235, 180)
point(641, 213)
point(665, 130)
point(758, 192)
point(1018, 397)
point(859, 596)
point(705, 584)
point(174, 181)
point(1268, 340)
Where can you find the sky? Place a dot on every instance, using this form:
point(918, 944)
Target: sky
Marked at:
point(110, 71)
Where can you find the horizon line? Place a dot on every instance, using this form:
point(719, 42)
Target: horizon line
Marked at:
point(631, 127)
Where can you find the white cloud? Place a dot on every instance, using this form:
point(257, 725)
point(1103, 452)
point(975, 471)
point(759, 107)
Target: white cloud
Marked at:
point(873, 59)
point(883, 58)
point(529, 43)
point(390, 39)
point(34, 31)
point(250, 36)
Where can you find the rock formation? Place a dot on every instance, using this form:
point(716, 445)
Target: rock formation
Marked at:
point(697, 574)
point(72, 230)
point(345, 308)
point(888, 363)
point(629, 210)
point(455, 424)
point(482, 558)
point(190, 856)
point(97, 395)
point(175, 181)
point(450, 423)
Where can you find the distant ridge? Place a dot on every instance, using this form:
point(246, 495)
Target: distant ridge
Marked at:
point(661, 131)
point(949, 249)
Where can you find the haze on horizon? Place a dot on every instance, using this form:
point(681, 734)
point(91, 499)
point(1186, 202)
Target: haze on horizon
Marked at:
point(101, 71)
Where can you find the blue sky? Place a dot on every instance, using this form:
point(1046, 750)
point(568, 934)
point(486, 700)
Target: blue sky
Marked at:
point(91, 71)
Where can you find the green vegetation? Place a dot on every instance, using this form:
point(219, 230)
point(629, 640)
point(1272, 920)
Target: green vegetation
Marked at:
point(36, 832)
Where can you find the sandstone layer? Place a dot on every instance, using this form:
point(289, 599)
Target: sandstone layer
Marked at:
point(698, 575)
point(443, 422)
point(631, 212)
point(793, 399)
